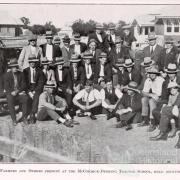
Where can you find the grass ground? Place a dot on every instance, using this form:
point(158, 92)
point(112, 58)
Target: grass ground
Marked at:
point(94, 141)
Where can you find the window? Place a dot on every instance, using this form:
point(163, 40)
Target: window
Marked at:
point(169, 26)
point(146, 30)
point(176, 26)
point(151, 29)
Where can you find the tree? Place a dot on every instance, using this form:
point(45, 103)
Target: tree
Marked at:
point(25, 21)
point(119, 30)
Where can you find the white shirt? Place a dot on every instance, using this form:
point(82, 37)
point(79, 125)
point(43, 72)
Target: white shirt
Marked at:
point(31, 70)
point(33, 50)
point(153, 47)
point(88, 75)
point(77, 49)
point(60, 74)
point(93, 95)
point(99, 37)
point(101, 73)
point(118, 93)
point(49, 52)
point(113, 37)
point(155, 86)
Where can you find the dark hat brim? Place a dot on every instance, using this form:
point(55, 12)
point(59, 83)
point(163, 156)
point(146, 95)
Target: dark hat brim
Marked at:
point(50, 86)
point(126, 66)
point(171, 72)
point(75, 60)
point(33, 60)
point(152, 62)
point(13, 65)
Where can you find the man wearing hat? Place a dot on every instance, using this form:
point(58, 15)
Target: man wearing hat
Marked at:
point(48, 73)
point(129, 107)
point(172, 76)
point(79, 47)
point(169, 114)
point(101, 38)
point(31, 49)
point(131, 72)
point(50, 50)
point(111, 37)
point(87, 100)
point(35, 81)
point(153, 50)
point(15, 86)
point(151, 92)
point(53, 106)
point(76, 73)
point(64, 81)
point(103, 68)
point(66, 54)
point(92, 47)
point(168, 54)
point(57, 41)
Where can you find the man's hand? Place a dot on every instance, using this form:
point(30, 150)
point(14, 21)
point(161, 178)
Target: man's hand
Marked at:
point(14, 93)
point(114, 70)
point(31, 95)
point(69, 91)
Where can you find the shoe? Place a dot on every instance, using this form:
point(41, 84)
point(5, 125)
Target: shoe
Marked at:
point(32, 119)
point(151, 128)
point(128, 127)
point(172, 133)
point(93, 117)
point(75, 122)
point(142, 124)
point(25, 121)
point(109, 116)
point(162, 136)
point(68, 123)
point(81, 115)
point(120, 125)
point(155, 136)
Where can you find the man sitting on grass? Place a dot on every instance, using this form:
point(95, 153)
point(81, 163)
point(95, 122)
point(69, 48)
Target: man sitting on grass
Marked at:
point(87, 100)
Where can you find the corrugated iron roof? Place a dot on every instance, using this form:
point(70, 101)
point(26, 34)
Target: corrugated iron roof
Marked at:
point(145, 20)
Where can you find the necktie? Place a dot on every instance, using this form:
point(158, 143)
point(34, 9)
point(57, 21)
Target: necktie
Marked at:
point(15, 82)
point(87, 100)
point(34, 75)
point(75, 72)
point(151, 50)
point(88, 69)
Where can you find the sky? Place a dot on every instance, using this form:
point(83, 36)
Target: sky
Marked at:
point(63, 14)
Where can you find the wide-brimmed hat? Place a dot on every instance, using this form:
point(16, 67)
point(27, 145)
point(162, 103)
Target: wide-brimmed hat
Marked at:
point(177, 44)
point(66, 39)
point(173, 85)
point(171, 69)
point(111, 27)
point(132, 86)
point(87, 55)
point(128, 63)
point(92, 40)
point(57, 40)
point(49, 35)
point(152, 36)
point(118, 40)
point(13, 63)
point(75, 58)
point(50, 85)
point(77, 37)
point(59, 61)
point(103, 55)
point(45, 61)
point(153, 70)
point(32, 37)
point(128, 26)
point(147, 62)
point(99, 26)
point(32, 58)
point(169, 41)
point(120, 62)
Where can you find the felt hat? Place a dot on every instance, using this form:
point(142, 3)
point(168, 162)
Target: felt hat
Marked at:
point(49, 85)
point(13, 63)
point(77, 37)
point(59, 61)
point(147, 62)
point(153, 70)
point(32, 58)
point(111, 27)
point(103, 55)
point(87, 55)
point(75, 58)
point(99, 26)
point(45, 61)
point(32, 37)
point(120, 62)
point(152, 36)
point(126, 27)
point(57, 40)
point(128, 63)
point(132, 86)
point(66, 39)
point(171, 69)
point(169, 41)
point(49, 35)
point(118, 40)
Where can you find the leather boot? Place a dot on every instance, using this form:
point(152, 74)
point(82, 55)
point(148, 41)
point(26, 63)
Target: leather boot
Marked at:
point(173, 131)
point(145, 121)
point(177, 146)
point(151, 128)
point(162, 136)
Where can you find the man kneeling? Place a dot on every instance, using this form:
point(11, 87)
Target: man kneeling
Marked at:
point(87, 100)
point(47, 107)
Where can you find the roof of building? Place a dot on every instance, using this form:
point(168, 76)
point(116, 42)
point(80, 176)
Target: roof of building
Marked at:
point(6, 19)
point(145, 20)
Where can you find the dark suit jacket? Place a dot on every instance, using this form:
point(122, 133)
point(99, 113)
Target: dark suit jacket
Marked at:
point(165, 59)
point(66, 79)
point(107, 72)
point(156, 54)
point(104, 45)
point(110, 41)
point(40, 79)
point(9, 82)
point(123, 78)
point(55, 53)
point(80, 76)
point(83, 47)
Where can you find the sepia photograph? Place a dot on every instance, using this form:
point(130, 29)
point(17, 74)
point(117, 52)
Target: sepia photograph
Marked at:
point(89, 83)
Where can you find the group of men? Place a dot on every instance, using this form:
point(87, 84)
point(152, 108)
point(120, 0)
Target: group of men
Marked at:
point(100, 77)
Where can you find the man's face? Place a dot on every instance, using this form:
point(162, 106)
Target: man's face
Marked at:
point(152, 42)
point(98, 31)
point(129, 69)
point(109, 85)
point(118, 45)
point(76, 42)
point(60, 66)
point(103, 60)
point(33, 42)
point(168, 46)
point(32, 64)
point(46, 66)
point(130, 92)
point(152, 76)
point(121, 68)
point(174, 91)
point(49, 40)
point(66, 44)
point(87, 61)
point(88, 88)
point(172, 76)
point(74, 65)
point(50, 90)
point(108, 32)
point(126, 32)
point(14, 69)
point(112, 32)
point(103, 84)
point(92, 46)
